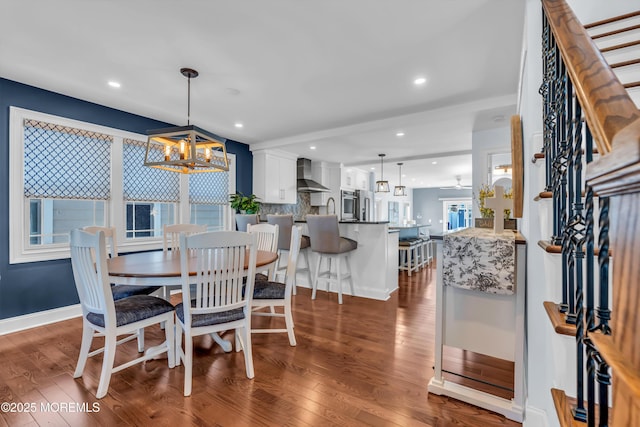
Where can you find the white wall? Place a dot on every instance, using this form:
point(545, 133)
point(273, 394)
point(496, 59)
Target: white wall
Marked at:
point(485, 143)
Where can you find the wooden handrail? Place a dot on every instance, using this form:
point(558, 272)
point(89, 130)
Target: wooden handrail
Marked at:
point(606, 104)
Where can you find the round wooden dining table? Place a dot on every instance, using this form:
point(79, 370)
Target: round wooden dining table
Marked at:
point(161, 268)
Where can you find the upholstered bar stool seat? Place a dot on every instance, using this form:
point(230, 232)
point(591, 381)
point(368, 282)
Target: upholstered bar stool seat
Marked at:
point(285, 223)
point(327, 243)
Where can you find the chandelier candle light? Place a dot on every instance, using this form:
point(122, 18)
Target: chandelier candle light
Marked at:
point(400, 190)
point(382, 186)
point(187, 149)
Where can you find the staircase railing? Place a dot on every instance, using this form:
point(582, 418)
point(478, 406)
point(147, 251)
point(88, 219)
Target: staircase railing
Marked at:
point(585, 104)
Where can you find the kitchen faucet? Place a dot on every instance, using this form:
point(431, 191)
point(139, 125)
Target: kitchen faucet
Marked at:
point(331, 199)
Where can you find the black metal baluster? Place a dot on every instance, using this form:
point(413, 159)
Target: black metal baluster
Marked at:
point(579, 238)
point(591, 388)
point(546, 93)
point(568, 214)
point(603, 312)
point(604, 381)
point(590, 290)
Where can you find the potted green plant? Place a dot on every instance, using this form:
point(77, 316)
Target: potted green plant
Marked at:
point(244, 204)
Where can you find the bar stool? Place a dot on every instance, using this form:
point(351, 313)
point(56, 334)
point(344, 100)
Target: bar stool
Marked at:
point(427, 252)
point(327, 243)
point(285, 223)
point(409, 254)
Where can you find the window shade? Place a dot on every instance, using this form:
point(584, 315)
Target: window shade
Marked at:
point(66, 163)
point(143, 183)
point(211, 188)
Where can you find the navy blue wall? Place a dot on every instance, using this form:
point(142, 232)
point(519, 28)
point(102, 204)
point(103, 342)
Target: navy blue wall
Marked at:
point(32, 287)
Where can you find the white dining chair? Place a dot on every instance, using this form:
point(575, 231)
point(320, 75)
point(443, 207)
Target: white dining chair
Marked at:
point(219, 300)
point(171, 234)
point(119, 291)
point(100, 313)
point(267, 235)
point(273, 294)
point(171, 242)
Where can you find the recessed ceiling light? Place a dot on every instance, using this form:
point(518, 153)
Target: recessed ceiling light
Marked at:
point(239, 125)
point(313, 147)
point(373, 168)
point(434, 163)
point(420, 81)
point(400, 134)
point(114, 84)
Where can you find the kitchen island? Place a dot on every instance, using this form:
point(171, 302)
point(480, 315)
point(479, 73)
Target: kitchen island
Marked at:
point(374, 263)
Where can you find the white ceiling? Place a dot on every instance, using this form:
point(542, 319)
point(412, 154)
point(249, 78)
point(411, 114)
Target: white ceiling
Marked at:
point(335, 74)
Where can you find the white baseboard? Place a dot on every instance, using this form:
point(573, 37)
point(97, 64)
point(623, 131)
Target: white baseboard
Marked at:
point(21, 323)
point(508, 408)
point(535, 417)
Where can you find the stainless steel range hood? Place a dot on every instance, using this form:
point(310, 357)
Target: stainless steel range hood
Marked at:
point(305, 183)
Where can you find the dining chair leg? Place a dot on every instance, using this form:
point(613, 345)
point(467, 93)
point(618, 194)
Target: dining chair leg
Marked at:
point(314, 285)
point(178, 344)
point(87, 338)
point(188, 364)
point(169, 332)
point(140, 335)
point(110, 342)
point(288, 318)
point(245, 338)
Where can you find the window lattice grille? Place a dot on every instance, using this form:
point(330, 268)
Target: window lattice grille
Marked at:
point(143, 183)
point(210, 188)
point(65, 163)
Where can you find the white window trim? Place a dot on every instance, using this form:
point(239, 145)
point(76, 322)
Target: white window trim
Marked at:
point(19, 252)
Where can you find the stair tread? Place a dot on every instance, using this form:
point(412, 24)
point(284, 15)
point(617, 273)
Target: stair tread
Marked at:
point(563, 405)
point(558, 319)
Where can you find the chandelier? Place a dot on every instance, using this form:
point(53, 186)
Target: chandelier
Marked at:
point(186, 149)
point(382, 186)
point(400, 190)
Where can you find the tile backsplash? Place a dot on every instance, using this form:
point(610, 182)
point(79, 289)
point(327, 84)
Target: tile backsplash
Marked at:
point(299, 210)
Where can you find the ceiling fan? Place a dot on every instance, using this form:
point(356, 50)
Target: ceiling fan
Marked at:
point(458, 186)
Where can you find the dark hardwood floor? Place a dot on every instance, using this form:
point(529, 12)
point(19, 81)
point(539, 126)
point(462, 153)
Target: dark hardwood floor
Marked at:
point(365, 363)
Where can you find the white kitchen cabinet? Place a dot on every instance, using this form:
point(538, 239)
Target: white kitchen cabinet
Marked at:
point(274, 176)
point(362, 180)
point(327, 174)
point(354, 179)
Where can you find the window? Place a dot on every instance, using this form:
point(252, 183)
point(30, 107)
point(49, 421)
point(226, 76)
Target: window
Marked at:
point(151, 195)
point(209, 199)
point(63, 176)
point(55, 158)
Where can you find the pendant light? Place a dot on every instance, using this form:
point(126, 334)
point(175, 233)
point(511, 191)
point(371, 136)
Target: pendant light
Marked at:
point(382, 186)
point(186, 149)
point(400, 190)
